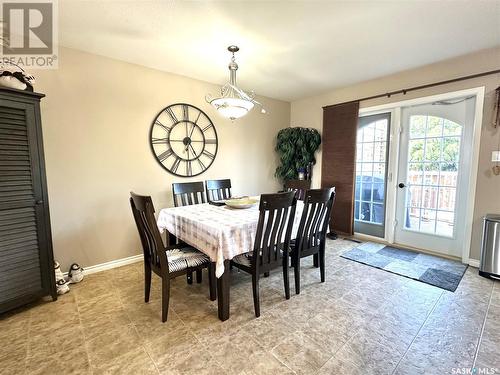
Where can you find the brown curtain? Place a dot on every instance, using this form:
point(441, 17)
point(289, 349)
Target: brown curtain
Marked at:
point(340, 123)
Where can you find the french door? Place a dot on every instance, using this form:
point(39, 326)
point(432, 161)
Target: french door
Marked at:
point(372, 149)
point(433, 168)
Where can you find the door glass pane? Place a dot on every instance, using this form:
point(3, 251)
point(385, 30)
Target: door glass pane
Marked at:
point(444, 223)
point(432, 149)
point(416, 150)
point(434, 127)
point(415, 173)
point(414, 196)
point(417, 126)
point(365, 212)
point(433, 156)
point(451, 149)
point(429, 197)
point(447, 198)
point(428, 221)
point(451, 128)
point(368, 152)
point(412, 220)
point(379, 149)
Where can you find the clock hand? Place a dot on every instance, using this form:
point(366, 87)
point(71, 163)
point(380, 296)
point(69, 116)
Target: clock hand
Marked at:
point(192, 129)
point(194, 152)
point(195, 124)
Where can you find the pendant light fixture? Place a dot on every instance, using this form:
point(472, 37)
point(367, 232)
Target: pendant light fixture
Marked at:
point(233, 102)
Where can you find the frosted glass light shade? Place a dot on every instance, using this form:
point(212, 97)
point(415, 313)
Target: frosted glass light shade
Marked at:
point(232, 108)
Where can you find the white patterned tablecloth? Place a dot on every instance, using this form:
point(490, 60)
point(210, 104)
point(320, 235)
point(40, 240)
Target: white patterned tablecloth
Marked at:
point(220, 232)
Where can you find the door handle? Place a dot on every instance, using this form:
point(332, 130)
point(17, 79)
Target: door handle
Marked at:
point(39, 202)
point(401, 185)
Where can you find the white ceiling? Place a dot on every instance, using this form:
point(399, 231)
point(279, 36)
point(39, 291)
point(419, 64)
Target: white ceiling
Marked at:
point(289, 49)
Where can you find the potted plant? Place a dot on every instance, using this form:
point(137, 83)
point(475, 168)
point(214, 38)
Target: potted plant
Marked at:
point(296, 147)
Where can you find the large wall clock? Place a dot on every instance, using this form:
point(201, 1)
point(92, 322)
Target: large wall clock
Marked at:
point(183, 140)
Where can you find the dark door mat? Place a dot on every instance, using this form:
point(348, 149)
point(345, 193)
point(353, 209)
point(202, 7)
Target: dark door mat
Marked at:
point(443, 273)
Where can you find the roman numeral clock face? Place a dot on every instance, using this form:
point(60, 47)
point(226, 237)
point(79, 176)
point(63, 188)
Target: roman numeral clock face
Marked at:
point(183, 140)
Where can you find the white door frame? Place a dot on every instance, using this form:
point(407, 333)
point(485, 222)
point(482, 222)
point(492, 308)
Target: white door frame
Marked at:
point(392, 176)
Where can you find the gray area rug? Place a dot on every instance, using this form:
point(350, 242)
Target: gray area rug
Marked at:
point(433, 270)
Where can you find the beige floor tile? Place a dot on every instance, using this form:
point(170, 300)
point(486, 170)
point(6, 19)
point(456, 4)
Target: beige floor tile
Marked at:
point(338, 365)
point(95, 323)
point(264, 364)
point(105, 303)
point(13, 356)
point(96, 287)
point(326, 333)
point(440, 346)
point(13, 339)
point(376, 353)
point(66, 362)
point(301, 354)
point(111, 344)
point(53, 320)
point(42, 345)
point(136, 362)
point(172, 348)
point(232, 350)
point(270, 329)
point(489, 351)
point(195, 362)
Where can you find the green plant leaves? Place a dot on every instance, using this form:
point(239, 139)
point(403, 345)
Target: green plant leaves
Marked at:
point(296, 148)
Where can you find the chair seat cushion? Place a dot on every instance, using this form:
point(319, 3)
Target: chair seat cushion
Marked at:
point(293, 241)
point(244, 259)
point(186, 257)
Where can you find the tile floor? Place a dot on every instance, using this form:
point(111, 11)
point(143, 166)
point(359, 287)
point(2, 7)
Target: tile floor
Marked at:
point(360, 321)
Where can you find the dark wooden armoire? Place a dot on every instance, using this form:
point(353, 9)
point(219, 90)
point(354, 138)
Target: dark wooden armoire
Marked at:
point(26, 259)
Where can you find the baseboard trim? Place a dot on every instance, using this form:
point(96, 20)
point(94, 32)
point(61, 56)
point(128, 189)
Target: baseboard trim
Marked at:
point(137, 258)
point(112, 264)
point(474, 263)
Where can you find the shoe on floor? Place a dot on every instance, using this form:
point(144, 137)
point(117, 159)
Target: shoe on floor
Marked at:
point(62, 286)
point(75, 273)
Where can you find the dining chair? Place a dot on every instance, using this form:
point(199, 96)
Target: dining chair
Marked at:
point(299, 186)
point(188, 193)
point(272, 240)
point(167, 262)
point(311, 234)
point(218, 189)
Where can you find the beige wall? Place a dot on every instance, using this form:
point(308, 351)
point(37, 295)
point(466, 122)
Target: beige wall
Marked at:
point(96, 118)
point(308, 112)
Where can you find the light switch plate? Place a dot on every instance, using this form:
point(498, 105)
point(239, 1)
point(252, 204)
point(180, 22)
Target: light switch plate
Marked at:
point(495, 156)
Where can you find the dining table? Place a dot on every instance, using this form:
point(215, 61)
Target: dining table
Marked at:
point(220, 232)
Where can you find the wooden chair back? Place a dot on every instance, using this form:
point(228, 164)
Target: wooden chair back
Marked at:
point(152, 243)
point(313, 225)
point(188, 193)
point(299, 186)
point(274, 229)
point(218, 189)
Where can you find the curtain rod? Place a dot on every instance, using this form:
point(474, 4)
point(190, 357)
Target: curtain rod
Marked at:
point(404, 91)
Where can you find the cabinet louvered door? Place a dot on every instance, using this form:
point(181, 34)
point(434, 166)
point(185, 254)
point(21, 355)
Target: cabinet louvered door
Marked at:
point(23, 235)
